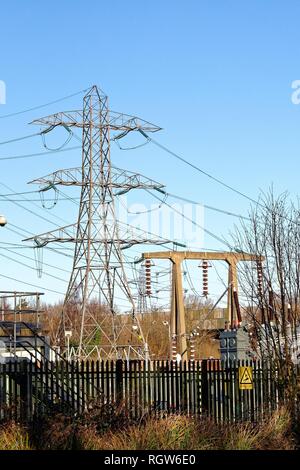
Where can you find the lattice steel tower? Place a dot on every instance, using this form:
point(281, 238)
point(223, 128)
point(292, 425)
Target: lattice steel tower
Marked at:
point(98, 273)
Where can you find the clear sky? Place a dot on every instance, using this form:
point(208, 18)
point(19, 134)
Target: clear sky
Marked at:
point(216, 75)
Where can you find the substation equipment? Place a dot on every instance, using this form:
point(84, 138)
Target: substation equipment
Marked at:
point(22, 331)
point(233, 339)
point(99, 238)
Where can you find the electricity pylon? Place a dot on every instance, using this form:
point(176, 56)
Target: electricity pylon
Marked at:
point(98, 273)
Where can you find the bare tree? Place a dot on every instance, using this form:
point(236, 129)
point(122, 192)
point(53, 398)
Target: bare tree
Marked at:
point(272, 287)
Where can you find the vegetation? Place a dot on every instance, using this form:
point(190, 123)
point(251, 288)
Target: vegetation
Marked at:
point(14, 437)
point(63, 432)
point(272, 289)
point(185, 433)
point(154, 324)
point(272, 318)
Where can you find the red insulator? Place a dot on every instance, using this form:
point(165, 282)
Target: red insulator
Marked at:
point(259, 278)
point(204, 265)
point(147, 265)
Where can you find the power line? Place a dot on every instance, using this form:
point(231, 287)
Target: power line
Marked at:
point(196, 247)
point(55, 250)
point(15, 231)
point(30, 267)
point(32, 259)
point(19, 194)
point(69, 198)
point(12, 194)
point(222, 211)
point(32, 285)
point(220, 278)
point(28, 210)
point(43, 105)
point(257, 203)
point(216, 209)
point(189, 280)
point(15, 245)
point(40, 154)
point(217, 180)
point(17, 139)
point(31, 211)
point(73, 199)
point(197, 168)
point(211, 234)
point(36, 200)
point(43, 208)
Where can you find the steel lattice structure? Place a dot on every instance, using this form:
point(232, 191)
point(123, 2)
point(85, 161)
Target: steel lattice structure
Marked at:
point(98, 267)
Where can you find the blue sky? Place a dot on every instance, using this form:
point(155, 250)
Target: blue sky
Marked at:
point(215, 75)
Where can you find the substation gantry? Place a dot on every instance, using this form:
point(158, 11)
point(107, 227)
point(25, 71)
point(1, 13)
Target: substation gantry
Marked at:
point(177, 320)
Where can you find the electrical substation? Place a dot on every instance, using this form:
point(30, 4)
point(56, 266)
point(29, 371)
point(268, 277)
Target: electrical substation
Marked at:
point(141, 321)
point(99, 274)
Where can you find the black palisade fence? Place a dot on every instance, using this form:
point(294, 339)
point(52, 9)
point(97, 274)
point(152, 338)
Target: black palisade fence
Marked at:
point(158, 388)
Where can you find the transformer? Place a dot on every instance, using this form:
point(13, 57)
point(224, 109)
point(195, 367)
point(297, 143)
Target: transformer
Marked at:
point(235, 345)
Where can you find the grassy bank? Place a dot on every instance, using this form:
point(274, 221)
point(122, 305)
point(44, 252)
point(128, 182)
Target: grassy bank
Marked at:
point(171, 433)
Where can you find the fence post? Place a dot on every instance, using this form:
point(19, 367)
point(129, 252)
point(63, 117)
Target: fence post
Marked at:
point(204, 388)
point(184, 381)
point(119, 381)
point(24, 392)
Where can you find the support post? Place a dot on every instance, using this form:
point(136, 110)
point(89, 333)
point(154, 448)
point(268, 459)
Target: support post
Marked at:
point(233, 286)
point(177, 310)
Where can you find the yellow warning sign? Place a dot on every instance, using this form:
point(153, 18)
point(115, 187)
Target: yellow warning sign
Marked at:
point(245, 378)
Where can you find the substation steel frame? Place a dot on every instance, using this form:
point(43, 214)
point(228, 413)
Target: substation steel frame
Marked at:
point(177, 320)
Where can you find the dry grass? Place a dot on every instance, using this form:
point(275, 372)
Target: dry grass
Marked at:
point(184, 433)
point(179, 432)
point(276, 432)
point(14, 437)
point(171, 433)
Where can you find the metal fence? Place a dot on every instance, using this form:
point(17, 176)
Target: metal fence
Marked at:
point(203, 388)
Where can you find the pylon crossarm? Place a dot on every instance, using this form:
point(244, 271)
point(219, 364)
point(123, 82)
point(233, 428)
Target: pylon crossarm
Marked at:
point(128, 235)
point(66, 177)
point(120, 179)
point(134, 235)
point(62, 234)
point(128, 180)
point(66, 118)
point(116, 121)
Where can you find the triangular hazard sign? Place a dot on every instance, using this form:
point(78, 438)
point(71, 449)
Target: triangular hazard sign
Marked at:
point(246, 378)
